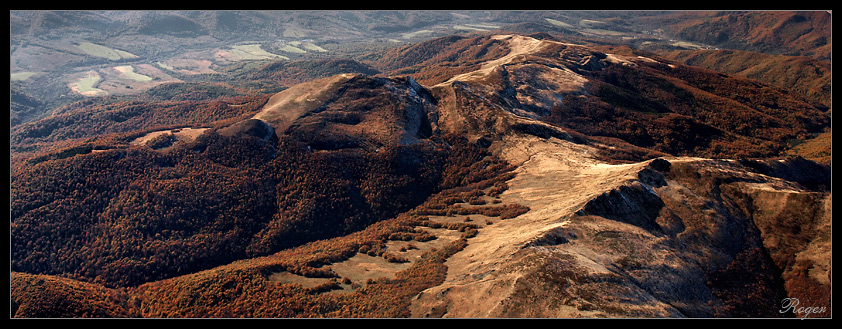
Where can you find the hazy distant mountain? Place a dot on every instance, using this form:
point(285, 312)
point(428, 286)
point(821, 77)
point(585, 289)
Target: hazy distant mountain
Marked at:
point(56, 55)
point(775, 32)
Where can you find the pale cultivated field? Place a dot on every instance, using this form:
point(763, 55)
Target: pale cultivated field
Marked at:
point(86, 85)
point(104, 52)
point(119, 80)
point(188, 65)
point(127, 71)
point(414, 34)
point(558, 23)
point(245, 52)
point(21, 76)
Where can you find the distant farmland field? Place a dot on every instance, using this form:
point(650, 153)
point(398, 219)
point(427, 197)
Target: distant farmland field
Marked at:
point(252, 52)
point(87, 85)
point(128, 72)
point(20, 76)
point(104, 52)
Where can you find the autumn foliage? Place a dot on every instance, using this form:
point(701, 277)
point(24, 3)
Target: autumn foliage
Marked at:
point(688, 111)
point(750, 287)
point(40, 296)
point(107, 228)
point(183, 211)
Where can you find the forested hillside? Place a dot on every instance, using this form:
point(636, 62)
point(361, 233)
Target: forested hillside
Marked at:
point(562, 173)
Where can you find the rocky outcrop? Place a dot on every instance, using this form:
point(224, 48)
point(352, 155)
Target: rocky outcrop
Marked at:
point(635, 204)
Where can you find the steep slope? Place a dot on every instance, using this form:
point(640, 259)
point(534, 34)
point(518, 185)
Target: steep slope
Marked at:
point(807, 76)
point(664, 107)
point(290, 73)
point(679, 237)
point(648, 239)
point(21, 107)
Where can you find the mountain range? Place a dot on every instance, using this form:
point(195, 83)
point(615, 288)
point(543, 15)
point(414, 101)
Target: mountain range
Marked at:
point(562, 166)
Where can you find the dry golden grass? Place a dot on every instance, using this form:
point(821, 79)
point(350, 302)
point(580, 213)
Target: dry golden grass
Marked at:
point(817, 149)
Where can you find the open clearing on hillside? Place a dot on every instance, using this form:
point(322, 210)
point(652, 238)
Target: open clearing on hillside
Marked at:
point(689, 45)
point(603, 32)
point(590, 23)
point(483, 26)
point(86, 84)
point(119, 80)
point(180, 134)
point(469, 28)
point(313, 47)
point(295, 47)
point(361, 268)
point(295, 32)
point(307, 45)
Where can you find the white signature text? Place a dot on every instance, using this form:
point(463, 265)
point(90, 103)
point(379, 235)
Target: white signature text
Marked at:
point(791, 305)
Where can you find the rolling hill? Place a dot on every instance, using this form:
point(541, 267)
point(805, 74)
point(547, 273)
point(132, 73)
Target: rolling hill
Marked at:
point(776, 32)
point(807, 76)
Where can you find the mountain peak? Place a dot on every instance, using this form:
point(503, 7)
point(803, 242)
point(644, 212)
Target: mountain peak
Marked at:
point(353, 110)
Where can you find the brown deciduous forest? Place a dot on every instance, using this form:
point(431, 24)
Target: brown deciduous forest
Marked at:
point(689, 111)
point(131, 215)
point(116, 211)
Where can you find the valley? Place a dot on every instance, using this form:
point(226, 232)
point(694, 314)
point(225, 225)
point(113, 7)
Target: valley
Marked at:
point(59, 69)
point(444, 164)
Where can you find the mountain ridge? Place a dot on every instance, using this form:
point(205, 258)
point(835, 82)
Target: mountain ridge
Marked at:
point(483, 183)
